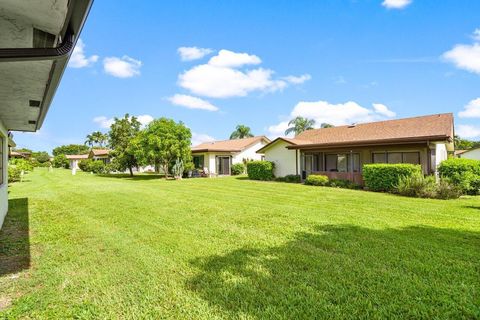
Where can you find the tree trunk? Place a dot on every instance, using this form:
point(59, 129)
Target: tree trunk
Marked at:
point(131, 171)
point(165, 170)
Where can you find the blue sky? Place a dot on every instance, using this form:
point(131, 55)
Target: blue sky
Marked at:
point(216, 64)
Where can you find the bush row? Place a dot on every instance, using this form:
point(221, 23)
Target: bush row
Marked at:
point(321, 180)
point(260, 170)
point(419, 186)
point(385, 177)
point(465, 173)
point(96, 166)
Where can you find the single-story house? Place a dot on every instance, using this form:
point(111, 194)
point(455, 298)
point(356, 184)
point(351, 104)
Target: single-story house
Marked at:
point(75, 159)
point(340, 152)
point(36, 41)
point(217, 157)
point(468, 154)
point(100, 154)
point(19, 155)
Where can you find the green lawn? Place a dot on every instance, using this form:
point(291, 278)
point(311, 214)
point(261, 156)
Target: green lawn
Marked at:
point(87, 246)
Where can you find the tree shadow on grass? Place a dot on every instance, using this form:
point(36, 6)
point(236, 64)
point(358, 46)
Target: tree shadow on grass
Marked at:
point(14, 238)
point(136, 177)
point(348, 272)
point(472, 207)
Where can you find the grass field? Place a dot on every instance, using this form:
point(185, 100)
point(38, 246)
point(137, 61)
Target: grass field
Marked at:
point(87, 246)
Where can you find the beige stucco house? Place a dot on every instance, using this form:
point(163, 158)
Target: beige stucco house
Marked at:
point(36, 41)
point(469, 154)
point(217, 157)
point(340, 152)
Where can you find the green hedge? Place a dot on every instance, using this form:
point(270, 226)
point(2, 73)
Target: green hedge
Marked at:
point(385, 177)
point(260, 170)
point(464, 173)
point(316, 180)
point(238, 168)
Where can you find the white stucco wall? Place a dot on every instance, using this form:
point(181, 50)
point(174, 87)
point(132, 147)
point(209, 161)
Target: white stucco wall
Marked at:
point(283, 158)
point(473, 154)
point(249, 153)
point(4, 186)
point(441, 154)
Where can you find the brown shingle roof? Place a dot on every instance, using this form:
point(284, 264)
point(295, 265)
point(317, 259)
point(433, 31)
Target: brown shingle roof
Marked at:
point(76, 156)
point(438, 126)
point(235, 145)
point(291, 141)
point(100, 152)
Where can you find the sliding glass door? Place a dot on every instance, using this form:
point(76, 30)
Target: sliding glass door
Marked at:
point(223, 165)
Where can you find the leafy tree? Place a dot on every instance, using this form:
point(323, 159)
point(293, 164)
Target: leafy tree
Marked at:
point(23, 150)
point(299, 125)
point(41, 156)
point(61, 161)
point(326, 125)
point(71, 149)
point(96, 138)
point(163, 142)
point(464, 144)
point(241, 131)
point(122, 136)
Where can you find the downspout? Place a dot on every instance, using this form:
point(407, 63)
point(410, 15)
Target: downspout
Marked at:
point(296, 162)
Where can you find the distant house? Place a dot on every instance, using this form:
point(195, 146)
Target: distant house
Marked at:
point(340, 152)
point(468, 154)
point(75, 159)
point(217, 157)
point(100, 154)
point(36, 41)
point(19, 155)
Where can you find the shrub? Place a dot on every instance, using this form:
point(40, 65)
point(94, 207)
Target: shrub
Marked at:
point(14, 173)
point(448, 190)
point(385, 177)
point(61, 161)
point(22, 164)
point(464, 173)
point(238, 168)
point(260, 170)
point(346, 184)
point(84, 164)
point(417, 186)
point(316, 180)
point(293, 178)
point(97, 167)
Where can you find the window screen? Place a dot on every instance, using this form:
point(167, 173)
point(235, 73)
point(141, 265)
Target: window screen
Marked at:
point(331, 163)
point(342, 164)
point(411, 157)
point(379, 157)
point(394, 157)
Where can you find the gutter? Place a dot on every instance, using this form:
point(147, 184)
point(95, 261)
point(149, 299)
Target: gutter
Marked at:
point(75, 19)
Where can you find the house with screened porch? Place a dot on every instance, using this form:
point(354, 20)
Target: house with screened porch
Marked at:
point(340, 152)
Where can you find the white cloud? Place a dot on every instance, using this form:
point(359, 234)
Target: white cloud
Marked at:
point(298, 79)
point(198, 138)
point(230, 59)
point(191, 102)
point(336, 114)
point(219, 82)
point(471, 110)
point(465, 56)
point(467, 131)
point(223, 77)
point(103, 121)
point(383, 110)
point(476, 35)
point(193, 53)
point(79, 59)
point(144, 119)
point(124, 67)
point(396, 4)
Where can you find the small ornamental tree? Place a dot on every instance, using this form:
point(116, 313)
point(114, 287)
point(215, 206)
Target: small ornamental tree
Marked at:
point(162, 142)
point(122, 136)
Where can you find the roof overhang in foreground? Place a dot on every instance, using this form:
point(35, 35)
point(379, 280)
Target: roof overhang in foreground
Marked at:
point(36, 41)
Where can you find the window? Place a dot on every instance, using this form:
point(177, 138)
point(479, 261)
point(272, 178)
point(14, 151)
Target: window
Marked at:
point(396, 157)
point(344, 162)
point(331, 162)
point(198, 162)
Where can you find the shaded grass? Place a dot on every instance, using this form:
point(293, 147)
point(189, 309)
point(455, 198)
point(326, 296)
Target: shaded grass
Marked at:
point(107, 247)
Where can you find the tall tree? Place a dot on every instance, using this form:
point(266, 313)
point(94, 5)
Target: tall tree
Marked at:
point(241, 131)
point(164, 141)
point(71, 149)
point(122, 136)
point(299, 125)
point(96, 138)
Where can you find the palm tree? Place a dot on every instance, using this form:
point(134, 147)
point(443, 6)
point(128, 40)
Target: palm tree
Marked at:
point(299, 124)
point(241, 131)
point(96, 138)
